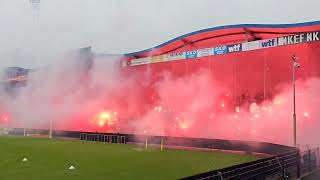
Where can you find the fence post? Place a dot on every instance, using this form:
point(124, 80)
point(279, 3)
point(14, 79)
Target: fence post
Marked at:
point(318, 160)
point(309, 158)
point(220, 175)
point(298, 164)
point(264, 170)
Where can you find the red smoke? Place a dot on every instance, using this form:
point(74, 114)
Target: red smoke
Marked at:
point(245, 96)
point(191, 106)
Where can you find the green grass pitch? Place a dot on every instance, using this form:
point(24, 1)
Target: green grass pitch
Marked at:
point(49, 159)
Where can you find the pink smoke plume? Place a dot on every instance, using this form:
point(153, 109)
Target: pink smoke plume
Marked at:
point(194, 105)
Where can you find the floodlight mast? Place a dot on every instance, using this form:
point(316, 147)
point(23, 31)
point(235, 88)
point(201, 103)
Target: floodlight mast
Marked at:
point(295, 65)
point(36, 9)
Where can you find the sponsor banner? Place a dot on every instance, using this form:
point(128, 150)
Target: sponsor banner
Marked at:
point(156, 59)
point(175, 56)
point(268, 43)
point(135, 62)
point(5, 131)
point(191, 54)
point(204, 52)
point(248, 46)
point(19, 78)
point(234, 48)
point(220, 50)
point(299, 38)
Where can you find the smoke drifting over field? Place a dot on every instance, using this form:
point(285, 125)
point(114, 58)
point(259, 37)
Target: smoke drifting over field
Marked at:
point(199, 112)
point(61, 92)
point(73, 97)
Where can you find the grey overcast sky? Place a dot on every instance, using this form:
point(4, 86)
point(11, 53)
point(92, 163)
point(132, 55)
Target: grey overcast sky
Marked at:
point(121, 26)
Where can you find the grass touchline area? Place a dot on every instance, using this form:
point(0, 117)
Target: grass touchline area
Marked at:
point(50, 159)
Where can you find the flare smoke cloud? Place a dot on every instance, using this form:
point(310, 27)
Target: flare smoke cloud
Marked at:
point(179, 106)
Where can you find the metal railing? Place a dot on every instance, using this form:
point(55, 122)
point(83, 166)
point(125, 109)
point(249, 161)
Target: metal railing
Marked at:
point(286, 166)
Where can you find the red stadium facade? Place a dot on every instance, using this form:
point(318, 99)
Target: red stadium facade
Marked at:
point(252, 64)
point(256, 70)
